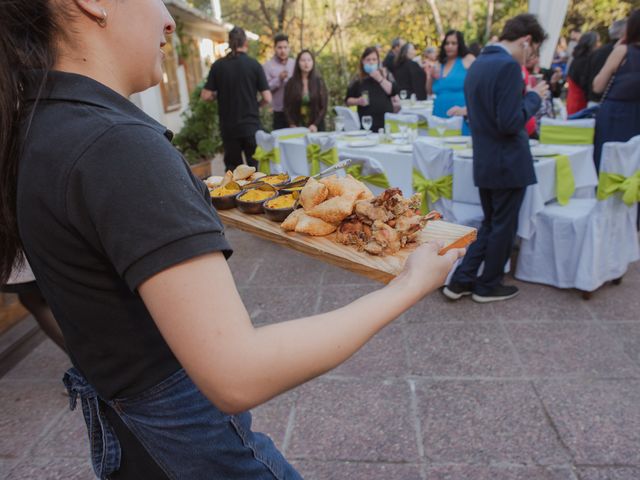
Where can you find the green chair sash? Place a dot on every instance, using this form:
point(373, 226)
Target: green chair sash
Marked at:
point(264, 158)
point(564, 135)
point(610, 183)
point(292, 135)
point(315, 156)
point(394, 125)
point(447, 133)
point(377, 179)
point(565, 183)
point(432, 190)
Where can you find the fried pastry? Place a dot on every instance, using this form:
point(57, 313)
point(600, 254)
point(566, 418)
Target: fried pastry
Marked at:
point(313, 194)
point(242, 172)
point(291, 221)
point(333, 210)
point(314, 226)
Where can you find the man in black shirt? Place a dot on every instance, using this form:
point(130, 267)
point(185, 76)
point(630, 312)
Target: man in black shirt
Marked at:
point(598, 58)
point(235, 82)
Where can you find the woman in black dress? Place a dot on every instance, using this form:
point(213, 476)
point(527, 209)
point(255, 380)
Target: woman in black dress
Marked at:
point(409, 75)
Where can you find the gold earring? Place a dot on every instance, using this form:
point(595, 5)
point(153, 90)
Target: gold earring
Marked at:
point(102, 21)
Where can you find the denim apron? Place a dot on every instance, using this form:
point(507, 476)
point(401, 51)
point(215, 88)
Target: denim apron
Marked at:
point(185, 434)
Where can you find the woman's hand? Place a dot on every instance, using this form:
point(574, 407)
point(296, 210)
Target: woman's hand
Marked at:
point(377, 76)
point(425, 270)
point(313, 128)
point(361, 101)
point(457, 111)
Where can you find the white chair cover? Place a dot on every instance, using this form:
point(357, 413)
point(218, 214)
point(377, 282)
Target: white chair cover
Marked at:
point(326, 142)
point(576, 132)
point(268, 142)
point(581, 123)
point(434, 162)
point(452, 123)
point(370, 166)
point(349, 118)
point(406, 119)
point(286, 132)
point(587, 242)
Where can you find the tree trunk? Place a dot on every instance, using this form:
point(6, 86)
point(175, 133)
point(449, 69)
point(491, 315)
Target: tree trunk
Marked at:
point(436, 17)
point(470, 12)
point(487, 33)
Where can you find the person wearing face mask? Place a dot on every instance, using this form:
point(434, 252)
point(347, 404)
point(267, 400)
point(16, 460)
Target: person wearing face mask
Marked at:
point(498, 109)
point(448, 75)
point(373, 90)
point(305, 96)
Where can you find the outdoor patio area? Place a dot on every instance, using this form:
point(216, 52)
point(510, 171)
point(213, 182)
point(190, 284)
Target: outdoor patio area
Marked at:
point(545, 386)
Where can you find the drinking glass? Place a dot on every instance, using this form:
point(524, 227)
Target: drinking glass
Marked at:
point(339, 124)
point(403, 94)
point(367, 122)
point(365, 95)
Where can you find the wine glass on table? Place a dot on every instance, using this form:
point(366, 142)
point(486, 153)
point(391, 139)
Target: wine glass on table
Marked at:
point(367, 122)
point(339, 125)
point(403, 95)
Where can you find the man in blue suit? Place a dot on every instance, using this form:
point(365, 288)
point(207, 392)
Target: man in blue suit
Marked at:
point(498, 109)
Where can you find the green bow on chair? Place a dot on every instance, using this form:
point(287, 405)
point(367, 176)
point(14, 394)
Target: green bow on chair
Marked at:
point(265, 158)
point(564, 135)
point(610, 183)
point(432, 190)
point(394, 125)
point(447, 133)
point(565, 183)
point(377, 179)
point(315, 156)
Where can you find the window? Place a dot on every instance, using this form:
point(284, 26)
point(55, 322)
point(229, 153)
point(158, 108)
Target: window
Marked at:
point(169, 85)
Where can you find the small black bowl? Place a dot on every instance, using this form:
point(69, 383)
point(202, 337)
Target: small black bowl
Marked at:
point(225, 202)
point(256, 206)
point(277, 214)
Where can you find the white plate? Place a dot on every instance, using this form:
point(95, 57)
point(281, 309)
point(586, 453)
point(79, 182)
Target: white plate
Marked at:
point(543, 151)
point(460, 140)
point(405, 148)
point(533, 143)
point(466, 153)
point(356, 133)
point(362, 143)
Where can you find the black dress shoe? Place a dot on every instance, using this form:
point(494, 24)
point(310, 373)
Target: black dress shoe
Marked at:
point(455, 291)
point(501, 292)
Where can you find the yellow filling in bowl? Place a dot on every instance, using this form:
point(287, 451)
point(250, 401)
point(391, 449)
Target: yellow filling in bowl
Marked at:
point(255, 195)
point(223, 191)
point(283, 201)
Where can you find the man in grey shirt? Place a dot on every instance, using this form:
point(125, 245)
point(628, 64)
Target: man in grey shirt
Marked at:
point(279, 69)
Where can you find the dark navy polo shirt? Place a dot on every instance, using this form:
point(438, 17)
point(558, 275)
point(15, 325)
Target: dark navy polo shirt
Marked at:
point(105, 202)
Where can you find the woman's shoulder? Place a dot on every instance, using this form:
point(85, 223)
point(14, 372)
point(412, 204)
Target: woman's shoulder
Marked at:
point(467, 60)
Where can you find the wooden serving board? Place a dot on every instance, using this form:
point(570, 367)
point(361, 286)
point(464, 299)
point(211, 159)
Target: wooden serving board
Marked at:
point(325, 248)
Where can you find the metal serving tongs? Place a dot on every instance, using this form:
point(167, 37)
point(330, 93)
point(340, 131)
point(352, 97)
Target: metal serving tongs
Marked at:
point(338, 166)
point(299, 183)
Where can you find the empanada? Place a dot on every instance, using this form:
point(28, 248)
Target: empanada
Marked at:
point(291, 221)
point(312, 194)
point(333, 210)
point(314, 226)
point(243, 172)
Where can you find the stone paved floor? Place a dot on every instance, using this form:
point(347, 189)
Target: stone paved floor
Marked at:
point(543, 387)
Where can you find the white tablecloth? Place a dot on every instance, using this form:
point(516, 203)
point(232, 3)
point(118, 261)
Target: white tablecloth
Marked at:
point(398, 166)
point(584, 173)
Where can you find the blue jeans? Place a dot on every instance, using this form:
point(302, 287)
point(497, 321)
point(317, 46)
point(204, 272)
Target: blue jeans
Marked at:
point(185, 434)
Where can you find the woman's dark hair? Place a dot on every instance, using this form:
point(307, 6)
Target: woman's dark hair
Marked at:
point(294, 87)
point(237, 39)
point(26, 44)
point(521, 26)
point(402, 54)
point(586, 45)
point(633, 28)
point(462, 47)
point(367, 51)
point(475, 48)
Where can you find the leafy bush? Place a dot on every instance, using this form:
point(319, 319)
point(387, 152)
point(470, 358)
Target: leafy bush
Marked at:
point(199, 139)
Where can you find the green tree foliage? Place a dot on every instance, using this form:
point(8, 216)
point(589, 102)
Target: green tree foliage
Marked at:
point(199, 139)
